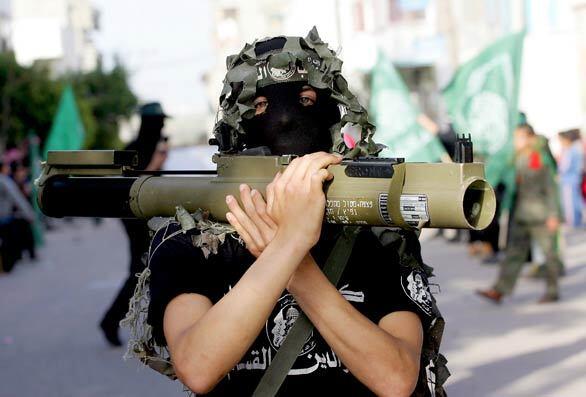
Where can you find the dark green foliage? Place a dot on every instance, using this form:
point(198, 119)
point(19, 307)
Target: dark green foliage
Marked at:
point(107, 96)
point(29, 98)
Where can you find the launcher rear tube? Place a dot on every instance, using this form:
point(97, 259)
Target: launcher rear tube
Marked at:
point(103, 197)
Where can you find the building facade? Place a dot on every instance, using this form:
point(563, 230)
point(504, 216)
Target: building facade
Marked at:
point(57, 32)
point(427, 40)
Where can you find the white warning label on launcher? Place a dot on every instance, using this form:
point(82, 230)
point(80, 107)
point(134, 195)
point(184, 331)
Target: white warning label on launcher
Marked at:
point(414, 208)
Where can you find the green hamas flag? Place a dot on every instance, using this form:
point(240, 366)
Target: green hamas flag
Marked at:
point(395, 117)
point(67, 131)
point(482, 97)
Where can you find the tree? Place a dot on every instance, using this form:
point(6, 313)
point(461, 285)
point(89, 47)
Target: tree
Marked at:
point(108, 97)
point(29, 98)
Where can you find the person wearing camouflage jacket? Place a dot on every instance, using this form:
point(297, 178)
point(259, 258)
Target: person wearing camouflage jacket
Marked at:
point(534, 214)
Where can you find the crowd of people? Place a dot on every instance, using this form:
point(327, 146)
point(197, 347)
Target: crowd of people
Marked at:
point(16, 211)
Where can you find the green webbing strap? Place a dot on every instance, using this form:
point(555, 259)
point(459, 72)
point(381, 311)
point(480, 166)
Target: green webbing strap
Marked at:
point(287, 354)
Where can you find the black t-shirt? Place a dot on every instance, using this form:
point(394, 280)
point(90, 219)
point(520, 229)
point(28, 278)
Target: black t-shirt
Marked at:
point(373, 282)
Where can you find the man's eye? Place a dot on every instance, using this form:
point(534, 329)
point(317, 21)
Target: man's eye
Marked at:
point(306, 101)
point(261, 106)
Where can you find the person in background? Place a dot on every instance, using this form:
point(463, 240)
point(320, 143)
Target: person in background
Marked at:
point(14, 210)
point(24, 226)
point(4, 168)
point(535, 215)
point(152, 149)
point(571, 167)
point(20, 175)
point(538, 269)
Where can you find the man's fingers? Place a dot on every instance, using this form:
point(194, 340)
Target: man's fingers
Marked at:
point(261, 209)
point(321, 161)
point(249, 205)
point(271, 191)
point(276, 193)
point(257, 213)
point(291, 169)
point(314, 162)
point(248, 241)
point(244, 221)
point(319, 177)
point(304, 164)
point(277, 176)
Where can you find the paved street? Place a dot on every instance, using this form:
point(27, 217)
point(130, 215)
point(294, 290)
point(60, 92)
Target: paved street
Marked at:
point(50, 344)
point(519, 348)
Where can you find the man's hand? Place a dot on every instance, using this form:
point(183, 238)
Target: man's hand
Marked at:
point(295, 205)
point(296, 201)
point(253, 224)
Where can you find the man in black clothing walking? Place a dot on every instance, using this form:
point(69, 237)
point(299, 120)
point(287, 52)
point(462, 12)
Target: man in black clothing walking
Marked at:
point(152, 152)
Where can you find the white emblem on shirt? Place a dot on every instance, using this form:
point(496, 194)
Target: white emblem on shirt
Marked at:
point(283, 324)
point(418, 291)
point(280, 322)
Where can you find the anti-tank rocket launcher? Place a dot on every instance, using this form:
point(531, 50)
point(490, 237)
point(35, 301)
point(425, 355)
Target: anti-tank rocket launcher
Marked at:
point(364, 191)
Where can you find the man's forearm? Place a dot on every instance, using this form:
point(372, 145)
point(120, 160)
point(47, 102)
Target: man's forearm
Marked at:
point(378, 359)
point(209, 348)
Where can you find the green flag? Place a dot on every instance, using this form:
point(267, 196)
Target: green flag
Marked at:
point(395, 117)
point(67, 131)
point(482, 97)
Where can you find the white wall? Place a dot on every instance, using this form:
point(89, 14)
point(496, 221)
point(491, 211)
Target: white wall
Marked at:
point(52, 30)
point(550, 82)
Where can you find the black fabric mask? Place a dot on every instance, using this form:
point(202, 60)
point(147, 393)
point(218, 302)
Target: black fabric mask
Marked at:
point(287, 127)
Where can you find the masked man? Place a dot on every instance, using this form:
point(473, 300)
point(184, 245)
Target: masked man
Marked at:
point(223, 314)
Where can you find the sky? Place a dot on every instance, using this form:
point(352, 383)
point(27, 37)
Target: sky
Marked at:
point(166, 47)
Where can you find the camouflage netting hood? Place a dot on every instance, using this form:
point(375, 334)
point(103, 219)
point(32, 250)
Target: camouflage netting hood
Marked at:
point(284, 59)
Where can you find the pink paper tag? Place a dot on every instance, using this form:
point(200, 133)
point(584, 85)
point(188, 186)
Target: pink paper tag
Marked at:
point(349, 141)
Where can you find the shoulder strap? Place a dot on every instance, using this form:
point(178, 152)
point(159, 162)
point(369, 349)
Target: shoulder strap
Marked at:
point(279, 368)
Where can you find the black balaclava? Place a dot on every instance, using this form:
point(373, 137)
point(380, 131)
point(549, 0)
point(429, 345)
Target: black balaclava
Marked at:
point(287, 127)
